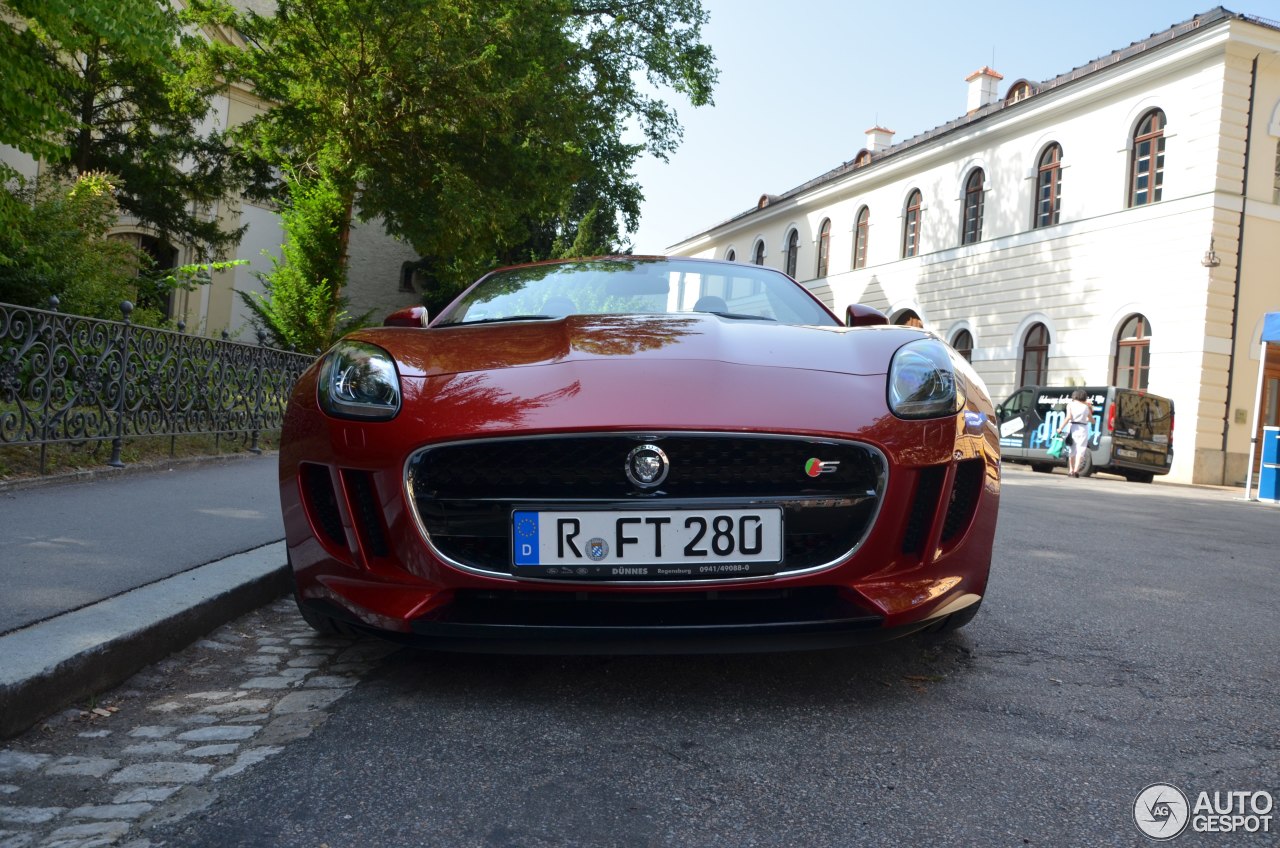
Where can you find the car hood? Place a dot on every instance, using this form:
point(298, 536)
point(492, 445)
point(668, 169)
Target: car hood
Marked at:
point(637, 338)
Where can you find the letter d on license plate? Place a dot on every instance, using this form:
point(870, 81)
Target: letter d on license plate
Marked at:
point(589, 538)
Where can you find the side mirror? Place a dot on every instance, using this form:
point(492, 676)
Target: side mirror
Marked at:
point(861, 315)
point(410, 316)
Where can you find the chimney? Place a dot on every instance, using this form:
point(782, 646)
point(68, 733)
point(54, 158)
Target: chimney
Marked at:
point(982, 88)
point(879, 139)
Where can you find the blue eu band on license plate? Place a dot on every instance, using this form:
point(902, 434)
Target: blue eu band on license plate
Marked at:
point(654, 543)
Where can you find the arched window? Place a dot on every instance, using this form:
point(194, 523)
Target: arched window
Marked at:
point(1133, 353)
point(1146, 168)
point(824, 247)
point(1048, 187)
point(860, 238)
point(963, 343)
point(1020, 90)
point(731, 256)
point(911, 225)
point(971, 226)
point(908, 318)
point(1035, 356)
point(757, 255)
point(793, 253)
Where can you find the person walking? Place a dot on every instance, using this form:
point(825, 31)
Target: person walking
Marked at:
point(1075, 430)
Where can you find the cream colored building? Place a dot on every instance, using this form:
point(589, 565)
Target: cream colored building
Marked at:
point(1070, 230)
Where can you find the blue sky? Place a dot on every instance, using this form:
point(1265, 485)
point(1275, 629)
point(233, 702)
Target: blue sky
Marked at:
point(801, 82)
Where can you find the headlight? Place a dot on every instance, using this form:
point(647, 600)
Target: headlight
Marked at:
point(922, 381)
point(359, 380)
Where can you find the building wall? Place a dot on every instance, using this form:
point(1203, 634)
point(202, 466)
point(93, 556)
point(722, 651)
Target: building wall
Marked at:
point(1260, 283)
point(1103, 262)
point(373, 280)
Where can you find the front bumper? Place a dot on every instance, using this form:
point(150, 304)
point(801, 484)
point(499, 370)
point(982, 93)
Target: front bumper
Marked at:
point(516, 623)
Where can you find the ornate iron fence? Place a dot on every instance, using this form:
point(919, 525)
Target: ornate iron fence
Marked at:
point(72, 380)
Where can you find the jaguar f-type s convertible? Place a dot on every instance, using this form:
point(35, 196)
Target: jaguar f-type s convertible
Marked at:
point(639, 454)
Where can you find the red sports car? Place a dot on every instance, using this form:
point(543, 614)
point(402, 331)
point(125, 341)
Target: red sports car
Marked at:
point(639, 454)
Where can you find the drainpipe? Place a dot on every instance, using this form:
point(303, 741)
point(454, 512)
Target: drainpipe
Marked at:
point(1235, 299)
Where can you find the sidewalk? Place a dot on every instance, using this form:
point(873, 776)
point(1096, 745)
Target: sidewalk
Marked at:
point(106, 576)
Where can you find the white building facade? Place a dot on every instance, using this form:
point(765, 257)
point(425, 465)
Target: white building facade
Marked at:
point(1118, 224)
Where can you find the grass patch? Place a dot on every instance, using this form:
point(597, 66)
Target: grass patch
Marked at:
point(19, 462)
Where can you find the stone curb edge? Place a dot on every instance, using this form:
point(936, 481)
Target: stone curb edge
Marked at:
point(54, 663)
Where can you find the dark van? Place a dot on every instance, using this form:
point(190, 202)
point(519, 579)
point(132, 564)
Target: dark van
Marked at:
point(1131, 433)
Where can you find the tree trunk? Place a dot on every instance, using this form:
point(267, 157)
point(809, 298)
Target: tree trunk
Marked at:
point(88, 98)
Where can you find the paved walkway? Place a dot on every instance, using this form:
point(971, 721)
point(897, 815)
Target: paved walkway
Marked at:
point(67, 545)
point(106, 575)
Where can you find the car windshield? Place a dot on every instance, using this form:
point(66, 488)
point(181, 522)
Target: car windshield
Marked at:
point(631, 286)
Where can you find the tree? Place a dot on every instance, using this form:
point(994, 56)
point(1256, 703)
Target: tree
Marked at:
point(471, 128)
point(304, 308)
point(110, 99)
point(58, 247)
point(34, 113)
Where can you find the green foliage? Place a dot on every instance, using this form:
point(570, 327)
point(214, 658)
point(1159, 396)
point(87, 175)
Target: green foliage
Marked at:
point(304, 308)
point(477, 130)
point(34, 112)
point(119, 87)
point(56, 245)
point(140, 119)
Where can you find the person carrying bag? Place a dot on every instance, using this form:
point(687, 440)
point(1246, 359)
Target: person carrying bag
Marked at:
point(1075, 430)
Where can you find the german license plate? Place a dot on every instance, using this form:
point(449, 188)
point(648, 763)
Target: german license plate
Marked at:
point(647, 543)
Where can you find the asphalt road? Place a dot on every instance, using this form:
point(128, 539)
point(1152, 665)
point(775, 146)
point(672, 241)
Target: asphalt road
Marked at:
point(1130, 636)
point(66, 546)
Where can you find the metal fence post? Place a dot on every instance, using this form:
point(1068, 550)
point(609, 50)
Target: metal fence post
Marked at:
point(44, 417)
point(257, 390)
point(217, 433)
point(126, 309)
point(177, 391)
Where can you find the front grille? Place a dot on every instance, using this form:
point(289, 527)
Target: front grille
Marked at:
point(591, 467)
point(465, 492)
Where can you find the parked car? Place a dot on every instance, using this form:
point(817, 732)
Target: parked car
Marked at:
point(639, 454)
point(1131, 433)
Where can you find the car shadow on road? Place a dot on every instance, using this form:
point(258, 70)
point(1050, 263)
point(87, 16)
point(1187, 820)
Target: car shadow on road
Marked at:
point(889, 672)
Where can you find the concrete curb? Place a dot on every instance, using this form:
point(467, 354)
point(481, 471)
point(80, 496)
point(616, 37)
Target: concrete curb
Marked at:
point(57, 662)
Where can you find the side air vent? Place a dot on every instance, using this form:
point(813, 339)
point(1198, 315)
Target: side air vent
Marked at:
point(366, 511)
point(964, 498)
point(322, 502)
point(923, 507)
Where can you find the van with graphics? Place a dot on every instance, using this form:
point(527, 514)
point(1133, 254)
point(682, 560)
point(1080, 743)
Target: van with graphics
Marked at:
point(1131, 433)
